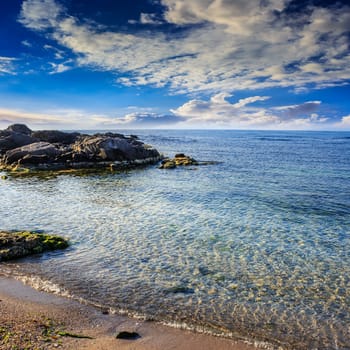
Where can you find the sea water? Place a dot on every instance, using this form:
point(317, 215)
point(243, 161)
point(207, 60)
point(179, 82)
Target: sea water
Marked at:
point(256, 246)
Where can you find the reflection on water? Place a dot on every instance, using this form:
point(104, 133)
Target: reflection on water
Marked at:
point(256, 246)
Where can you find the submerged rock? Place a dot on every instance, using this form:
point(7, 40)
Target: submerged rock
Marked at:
point(15, 245)
point(57, 150)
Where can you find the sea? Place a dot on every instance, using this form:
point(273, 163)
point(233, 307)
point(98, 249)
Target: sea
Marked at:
point(254, 246)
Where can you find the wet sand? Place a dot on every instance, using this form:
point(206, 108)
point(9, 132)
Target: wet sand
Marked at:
point(30, 319)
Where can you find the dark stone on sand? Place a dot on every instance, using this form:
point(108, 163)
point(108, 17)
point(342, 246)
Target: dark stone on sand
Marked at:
point(15, 245)
point(128, 335)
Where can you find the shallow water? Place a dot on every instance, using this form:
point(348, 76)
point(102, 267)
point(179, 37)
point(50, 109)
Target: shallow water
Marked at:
point(256, 246)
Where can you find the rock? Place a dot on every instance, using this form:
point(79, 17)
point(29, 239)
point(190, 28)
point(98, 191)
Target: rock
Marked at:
point(180, 155)
point(10, 140)
point(15, 245)
point(34, 153)
point(111, 149)
point(168, 164)
point(128, 335)
point(20, 129)
point(180, 160)
point(57, 150)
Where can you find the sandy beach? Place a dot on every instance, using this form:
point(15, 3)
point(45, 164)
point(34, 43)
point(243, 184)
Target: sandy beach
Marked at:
point(31, 319)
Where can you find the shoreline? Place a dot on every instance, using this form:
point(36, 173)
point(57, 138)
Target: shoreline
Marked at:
point(32, 319)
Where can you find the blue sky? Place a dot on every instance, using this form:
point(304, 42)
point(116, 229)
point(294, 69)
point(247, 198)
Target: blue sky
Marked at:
point(231, 64)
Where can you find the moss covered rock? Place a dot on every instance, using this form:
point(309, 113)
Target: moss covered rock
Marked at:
point(15, 245)
point(179, 160)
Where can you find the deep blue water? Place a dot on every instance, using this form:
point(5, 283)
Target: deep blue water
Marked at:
point(256, 246)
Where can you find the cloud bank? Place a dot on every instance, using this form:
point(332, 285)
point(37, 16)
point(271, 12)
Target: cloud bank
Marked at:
point(222, 46)
point(219, 112)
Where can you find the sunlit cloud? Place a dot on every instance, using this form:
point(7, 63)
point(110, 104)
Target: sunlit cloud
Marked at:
point(10, 116)
point(243, 114)
point(344, 123)
point(49, 118)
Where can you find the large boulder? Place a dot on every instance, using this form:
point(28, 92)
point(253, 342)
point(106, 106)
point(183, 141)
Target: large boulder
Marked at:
point(15, 245)
point(20, 129)
point(35, 153)
point(180, 159)
point(16, 135)
point(11, 139)
point(108, 148)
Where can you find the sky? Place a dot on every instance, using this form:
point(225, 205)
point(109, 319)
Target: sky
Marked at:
point(194, 64)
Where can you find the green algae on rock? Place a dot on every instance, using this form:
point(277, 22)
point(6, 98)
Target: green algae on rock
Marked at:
point(18, 244)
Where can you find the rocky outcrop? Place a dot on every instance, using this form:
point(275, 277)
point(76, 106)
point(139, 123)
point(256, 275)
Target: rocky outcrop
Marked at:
point(15, 245)
point(181, 160)
point(56, 150)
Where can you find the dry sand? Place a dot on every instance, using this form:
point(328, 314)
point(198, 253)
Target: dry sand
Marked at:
point(30, 319)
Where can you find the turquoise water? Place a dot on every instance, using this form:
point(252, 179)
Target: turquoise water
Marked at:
point(257, 246)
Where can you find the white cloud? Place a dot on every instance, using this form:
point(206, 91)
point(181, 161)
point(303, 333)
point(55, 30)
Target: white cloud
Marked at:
point(238, 45)
point(6, 65)
point(40, 14)
point(239, 17)
point(219, 112)
point(345, 122)
point(26, 43)
point(149, 18)
point(60, 67)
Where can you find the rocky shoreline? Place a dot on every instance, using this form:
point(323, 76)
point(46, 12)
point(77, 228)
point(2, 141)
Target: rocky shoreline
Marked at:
point(22, 149)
